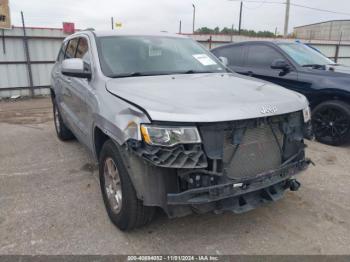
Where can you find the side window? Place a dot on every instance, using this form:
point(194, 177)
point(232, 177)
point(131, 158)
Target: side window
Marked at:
point(71, 48)
point(234, 54)
point(261, 56)
point(83, 50)
point(60, 56)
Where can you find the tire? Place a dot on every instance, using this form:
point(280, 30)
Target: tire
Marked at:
point(124, 209)
point(331, 122)
point(62, 131)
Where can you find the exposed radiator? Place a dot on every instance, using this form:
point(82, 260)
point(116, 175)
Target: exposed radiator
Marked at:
point(258, 150)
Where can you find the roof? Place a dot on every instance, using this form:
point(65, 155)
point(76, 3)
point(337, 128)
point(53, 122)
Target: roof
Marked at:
point(329, 21)
point(118, 33)
point(276, 42)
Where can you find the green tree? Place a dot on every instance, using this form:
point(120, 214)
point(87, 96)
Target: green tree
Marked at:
point(204, 30)
point(226, 30)
point(216, 30)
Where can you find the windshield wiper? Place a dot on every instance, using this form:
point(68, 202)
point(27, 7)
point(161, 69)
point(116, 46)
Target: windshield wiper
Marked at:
point(128, 75)
point(315, 66)
point(134, 74)
point(192, 71)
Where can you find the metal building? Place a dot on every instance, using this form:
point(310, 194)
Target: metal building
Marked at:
point(330, 30)
point(21, 74)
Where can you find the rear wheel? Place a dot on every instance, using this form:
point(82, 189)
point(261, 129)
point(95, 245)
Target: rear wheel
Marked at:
point(62, 130)
point(124, 209)
point(331, 122)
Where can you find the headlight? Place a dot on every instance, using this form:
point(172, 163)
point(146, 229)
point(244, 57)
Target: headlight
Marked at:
point(307, 114)
point(169, 136)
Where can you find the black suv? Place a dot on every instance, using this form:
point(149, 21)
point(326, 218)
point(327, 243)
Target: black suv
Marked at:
point(298, 67)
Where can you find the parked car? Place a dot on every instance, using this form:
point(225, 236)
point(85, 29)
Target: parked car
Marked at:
point(170, 127)
point(303, 69)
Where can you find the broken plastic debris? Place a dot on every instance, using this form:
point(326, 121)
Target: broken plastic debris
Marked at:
point(15, 96)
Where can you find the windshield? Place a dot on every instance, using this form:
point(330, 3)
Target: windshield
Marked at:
point(123, 56)
point(304, 55)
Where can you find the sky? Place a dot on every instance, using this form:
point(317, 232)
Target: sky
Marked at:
point(164, 15)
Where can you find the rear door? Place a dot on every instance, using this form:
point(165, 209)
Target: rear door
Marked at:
point(56, 75)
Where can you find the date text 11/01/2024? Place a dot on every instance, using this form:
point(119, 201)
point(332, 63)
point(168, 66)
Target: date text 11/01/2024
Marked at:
point(173, 258)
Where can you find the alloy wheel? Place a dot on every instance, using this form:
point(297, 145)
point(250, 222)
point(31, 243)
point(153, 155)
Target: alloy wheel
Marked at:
point(112, 185)
point(331, 122)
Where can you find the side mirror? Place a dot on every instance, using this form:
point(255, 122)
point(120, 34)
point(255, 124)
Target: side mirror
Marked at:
point(280, 64)
point(75, 67)
point(224, 60)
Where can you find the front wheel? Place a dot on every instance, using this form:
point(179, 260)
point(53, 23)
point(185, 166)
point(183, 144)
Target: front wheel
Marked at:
point(124, 209)
point(331, 122)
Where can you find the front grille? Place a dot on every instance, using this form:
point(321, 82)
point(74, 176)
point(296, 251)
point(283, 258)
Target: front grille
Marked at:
point(257, 152)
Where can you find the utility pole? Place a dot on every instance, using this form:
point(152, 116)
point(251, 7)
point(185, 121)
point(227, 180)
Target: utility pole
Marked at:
point(240, 18)
point(180, 27)
point(3, 41)
point(194, 18)
point(112, 21)
point(337, 48)
point(28, 62)
point(286, 21)
point(232, 33)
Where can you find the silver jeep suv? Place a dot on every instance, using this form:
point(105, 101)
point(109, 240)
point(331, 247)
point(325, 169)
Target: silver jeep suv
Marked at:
point(172, 127)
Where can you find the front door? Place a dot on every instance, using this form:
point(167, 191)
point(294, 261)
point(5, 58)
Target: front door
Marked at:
point(82, 87)
point(72, 94)
point(258, 63)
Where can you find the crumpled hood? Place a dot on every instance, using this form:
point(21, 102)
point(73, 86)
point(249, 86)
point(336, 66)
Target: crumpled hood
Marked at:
point(205, 97)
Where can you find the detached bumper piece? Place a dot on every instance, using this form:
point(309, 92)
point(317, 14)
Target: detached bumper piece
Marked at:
point(254, 199)
point(266, 187)
point(179, 156)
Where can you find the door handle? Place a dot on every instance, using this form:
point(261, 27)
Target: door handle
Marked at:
point(67, 80)
point(250, 73)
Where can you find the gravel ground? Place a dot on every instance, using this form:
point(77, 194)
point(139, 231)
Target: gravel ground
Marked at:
point(50, 203)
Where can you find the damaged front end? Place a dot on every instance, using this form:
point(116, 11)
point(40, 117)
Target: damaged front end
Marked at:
point(237, 166)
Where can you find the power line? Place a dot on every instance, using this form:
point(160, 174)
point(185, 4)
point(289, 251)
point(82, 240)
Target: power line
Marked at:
point(257, 7)
point(321, 10)
point(297, 5)
point(253, 1)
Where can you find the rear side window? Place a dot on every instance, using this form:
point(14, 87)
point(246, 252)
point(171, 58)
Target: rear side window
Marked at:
point(234, 54)
point(83, 50)
point(71, 48)
point(261, 56)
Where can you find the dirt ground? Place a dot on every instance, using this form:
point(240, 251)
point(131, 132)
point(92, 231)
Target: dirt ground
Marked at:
point(50, 203)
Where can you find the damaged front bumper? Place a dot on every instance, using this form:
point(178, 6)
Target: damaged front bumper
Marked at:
point(227, 171)
point(243, 196)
